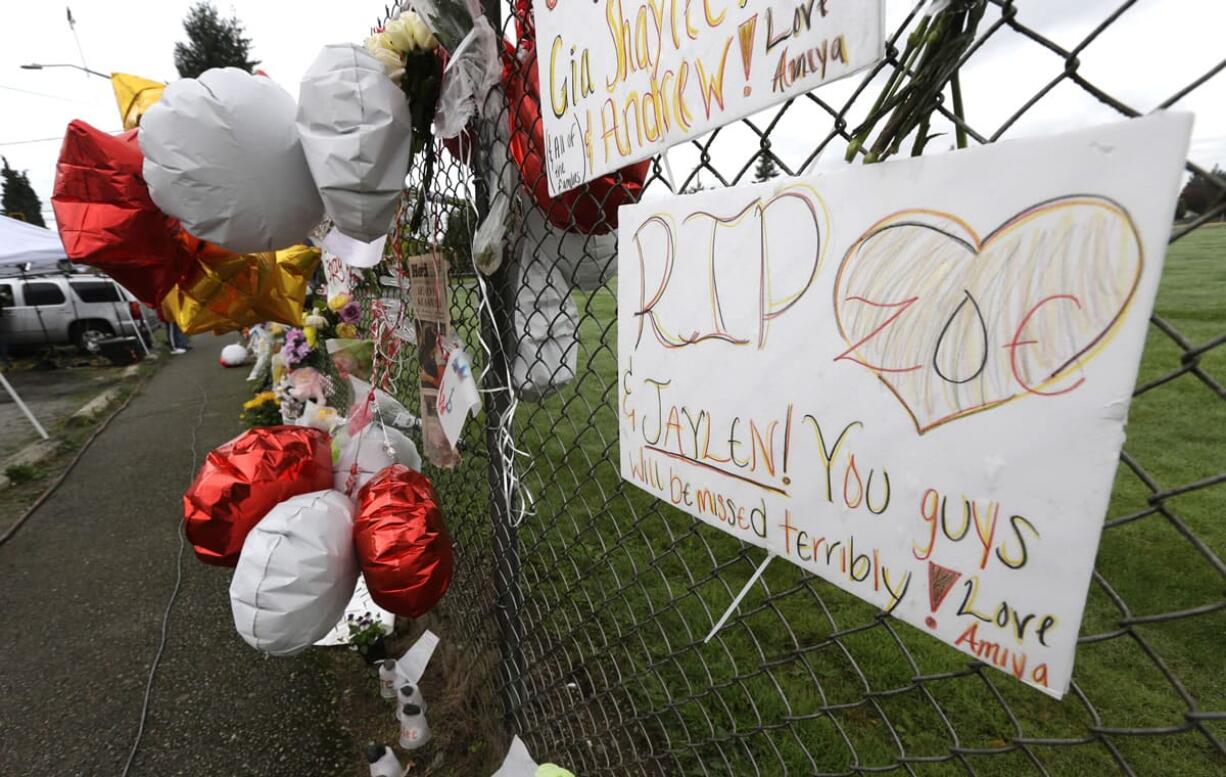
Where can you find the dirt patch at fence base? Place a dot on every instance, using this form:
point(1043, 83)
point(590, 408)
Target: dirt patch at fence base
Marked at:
point(460, 693)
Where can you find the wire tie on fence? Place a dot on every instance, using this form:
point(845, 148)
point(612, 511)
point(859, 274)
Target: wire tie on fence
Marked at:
point(770, 555)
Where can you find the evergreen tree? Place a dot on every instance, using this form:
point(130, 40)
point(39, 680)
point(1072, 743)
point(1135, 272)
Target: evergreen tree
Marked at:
point(211, 42)
point(765, 169)
point(1202, 194)
point(19, 200)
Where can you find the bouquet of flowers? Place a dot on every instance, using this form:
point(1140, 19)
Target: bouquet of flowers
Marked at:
point(406, 48)
point(264, 409)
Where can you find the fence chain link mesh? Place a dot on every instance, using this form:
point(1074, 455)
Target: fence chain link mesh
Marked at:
point(583, 602)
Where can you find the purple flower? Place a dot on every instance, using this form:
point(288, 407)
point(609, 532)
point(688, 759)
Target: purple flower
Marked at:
point(296, 349)
point(351, 313)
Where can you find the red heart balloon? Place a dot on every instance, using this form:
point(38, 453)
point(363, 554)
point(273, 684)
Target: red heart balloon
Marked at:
point(107, 219)
point(402, 543)
point(244, 479)
point(591, 208)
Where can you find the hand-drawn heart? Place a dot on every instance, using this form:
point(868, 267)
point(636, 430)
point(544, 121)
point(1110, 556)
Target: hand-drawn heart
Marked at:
point(953, 324)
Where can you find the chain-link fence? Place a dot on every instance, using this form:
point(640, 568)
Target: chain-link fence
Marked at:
point(584, 602)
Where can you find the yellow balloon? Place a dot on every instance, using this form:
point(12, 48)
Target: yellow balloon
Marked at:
point(226, 293)
point(134, 95)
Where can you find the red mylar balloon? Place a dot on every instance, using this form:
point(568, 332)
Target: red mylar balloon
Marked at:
point(106, 218)
point(244, 479)
point(591, 208)
point(402, 544)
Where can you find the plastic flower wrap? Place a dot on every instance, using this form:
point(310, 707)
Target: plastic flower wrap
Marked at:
point(352, 357)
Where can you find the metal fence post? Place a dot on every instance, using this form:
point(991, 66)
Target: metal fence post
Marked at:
point(498, 331)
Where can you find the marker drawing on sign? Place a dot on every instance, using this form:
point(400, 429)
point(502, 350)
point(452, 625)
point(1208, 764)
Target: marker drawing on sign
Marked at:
point(745, 33)
point(932, 419)
point(643, 75)
point(954, 324)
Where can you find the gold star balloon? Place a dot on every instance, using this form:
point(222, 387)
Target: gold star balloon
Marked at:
point(224, 293)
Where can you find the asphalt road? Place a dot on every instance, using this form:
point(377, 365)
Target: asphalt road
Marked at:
point(84, 584)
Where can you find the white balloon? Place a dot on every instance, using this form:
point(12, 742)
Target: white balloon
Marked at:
point(233, 355)
point(296, 573)
point(357, 135)
point(222, 155)
point(368, 450)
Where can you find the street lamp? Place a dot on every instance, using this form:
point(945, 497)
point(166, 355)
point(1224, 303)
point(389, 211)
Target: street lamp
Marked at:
point(36, 66)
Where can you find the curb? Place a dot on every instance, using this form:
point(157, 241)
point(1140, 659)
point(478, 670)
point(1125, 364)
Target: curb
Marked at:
point(40, 450)
point(32, 454)
point(94, 406)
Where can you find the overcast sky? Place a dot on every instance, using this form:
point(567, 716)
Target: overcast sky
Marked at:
point(1152, 51)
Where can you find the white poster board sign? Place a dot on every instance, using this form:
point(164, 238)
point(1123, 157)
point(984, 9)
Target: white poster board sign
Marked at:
point(911, 378)
point(622, 80)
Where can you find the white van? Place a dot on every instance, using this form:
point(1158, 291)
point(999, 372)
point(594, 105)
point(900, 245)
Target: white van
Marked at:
point(58, 309)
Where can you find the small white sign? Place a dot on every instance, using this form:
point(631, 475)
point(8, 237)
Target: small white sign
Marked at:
point(457, 396)
point(910, 378)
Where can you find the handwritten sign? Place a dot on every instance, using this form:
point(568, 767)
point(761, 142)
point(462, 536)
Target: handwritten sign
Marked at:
point(621, 80)
point(909, 379)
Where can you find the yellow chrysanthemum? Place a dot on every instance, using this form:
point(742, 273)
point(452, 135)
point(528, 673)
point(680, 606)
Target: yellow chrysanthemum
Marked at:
point(259, 399)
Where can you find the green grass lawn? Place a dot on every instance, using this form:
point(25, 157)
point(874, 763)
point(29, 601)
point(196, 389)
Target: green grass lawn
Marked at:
point(620, 591)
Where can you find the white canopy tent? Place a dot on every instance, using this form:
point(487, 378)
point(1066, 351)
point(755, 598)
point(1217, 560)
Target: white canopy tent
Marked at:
point(22, 243)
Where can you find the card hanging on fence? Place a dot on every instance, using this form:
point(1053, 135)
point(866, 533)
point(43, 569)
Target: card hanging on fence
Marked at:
point(910, 378)
point(431, 300)
point(458, 395)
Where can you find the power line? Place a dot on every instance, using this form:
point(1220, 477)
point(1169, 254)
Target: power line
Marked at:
point(42, 94)
point(45, 140)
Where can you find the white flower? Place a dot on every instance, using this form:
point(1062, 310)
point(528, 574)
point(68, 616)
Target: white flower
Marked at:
point(422, 36)
point(317, 321)
point(392, 63)
point(377, 41)
point(400, 33)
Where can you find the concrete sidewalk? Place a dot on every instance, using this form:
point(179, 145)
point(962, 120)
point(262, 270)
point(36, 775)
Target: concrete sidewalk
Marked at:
point(83, 586)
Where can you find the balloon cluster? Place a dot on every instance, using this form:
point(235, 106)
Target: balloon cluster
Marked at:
point(201, 212)
point(266, 504)
point(192, 210)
